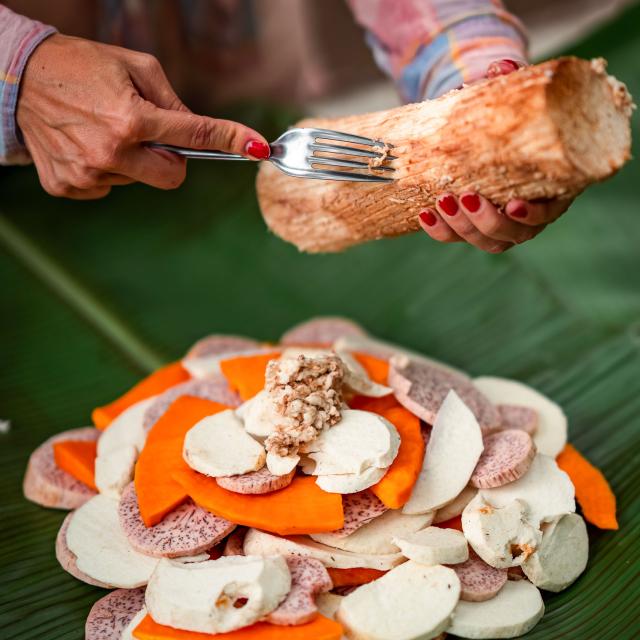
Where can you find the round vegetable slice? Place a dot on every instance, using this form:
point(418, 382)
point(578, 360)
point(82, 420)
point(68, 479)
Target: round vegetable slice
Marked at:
point(111, 615)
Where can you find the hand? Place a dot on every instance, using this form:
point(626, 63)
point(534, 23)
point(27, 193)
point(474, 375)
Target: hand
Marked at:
point(86, 109)
point(473, 219)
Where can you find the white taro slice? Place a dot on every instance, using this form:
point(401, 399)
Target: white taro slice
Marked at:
point(562, 555)
point(434, 545)
point(513, 612)
point(411, 601)
point(456, 506)
point(111, 615)
point(350, 482)
point(454, 448)
point(204, 357)
point(551, 432)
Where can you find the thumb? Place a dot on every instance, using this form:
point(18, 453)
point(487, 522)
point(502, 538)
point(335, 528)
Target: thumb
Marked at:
point(185, 129)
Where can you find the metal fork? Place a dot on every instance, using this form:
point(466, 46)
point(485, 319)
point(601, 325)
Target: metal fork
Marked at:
point(294, 153)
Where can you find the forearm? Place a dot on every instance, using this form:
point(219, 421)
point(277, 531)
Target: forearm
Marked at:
point(19, 36)
point(432, 46)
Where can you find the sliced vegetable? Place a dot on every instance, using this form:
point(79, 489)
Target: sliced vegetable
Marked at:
point(453, 523)
point(302, 507)
point(320, 628)
point(377, 405)
point(158, 493)
point(354, 577)
point(78, 459)
point(152, 385)
point(594, 495)
point(395, 487)
point(245, 374)
point(376, 368)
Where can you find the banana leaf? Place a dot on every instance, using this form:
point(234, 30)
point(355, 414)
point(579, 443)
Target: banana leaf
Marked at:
point(96, 294)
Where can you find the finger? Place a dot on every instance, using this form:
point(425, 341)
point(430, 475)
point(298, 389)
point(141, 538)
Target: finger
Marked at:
point(491, 222)
point(201, 132)
point(155, 167)
point(536, 213)
point(432, 223)
point(114, 180)
point(449, 209)
point(85, 194)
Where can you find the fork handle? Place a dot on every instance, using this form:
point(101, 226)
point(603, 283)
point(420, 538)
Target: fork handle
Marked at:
point(197, 154)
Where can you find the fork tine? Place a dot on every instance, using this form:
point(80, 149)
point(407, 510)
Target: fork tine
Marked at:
point(348, 151)
point(327, 134)
point(336, 162)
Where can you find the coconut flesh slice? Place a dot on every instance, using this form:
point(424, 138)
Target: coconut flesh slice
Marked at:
point(453, 451)
point(360, 440)
point(561, 556)
point(218, 445)
point(411, 601)
point(456, 506)
point(377, 536)
point(434, 545)
point(101, 548)
point(514, 611)
point(550, 436)
point(203, 596)
point(259, 543)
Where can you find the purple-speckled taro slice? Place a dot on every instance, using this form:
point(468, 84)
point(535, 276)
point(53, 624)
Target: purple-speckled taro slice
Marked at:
point(518, 417)
point(111, 615)
point(323, 330)
point(234, 544)
point(478, 580)
point(256, 482)
point(217, 344)
point(359, 509)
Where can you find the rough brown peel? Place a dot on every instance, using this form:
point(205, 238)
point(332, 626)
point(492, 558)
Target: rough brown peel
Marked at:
point(546, 131)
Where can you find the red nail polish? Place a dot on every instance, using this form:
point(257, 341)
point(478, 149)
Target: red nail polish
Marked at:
point(448, 204)
point(502, 67)
point(471, 202)
point(428, 217)
point(258, 149)
point(519, 212)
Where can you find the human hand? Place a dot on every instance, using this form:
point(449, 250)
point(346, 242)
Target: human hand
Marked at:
point(86, 110)
point(473, 219)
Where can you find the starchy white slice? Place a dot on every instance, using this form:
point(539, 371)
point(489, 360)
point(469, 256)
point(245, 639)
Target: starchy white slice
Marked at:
point(452, 453)
point(218, 445)
point(260, 416)
point(545, 488)
point(205, 596)
point(281, 465)
point(101, 548)
point(502, 536)
point(205, 366)
point(377, 535)
point(350, 482)
point(260, 543)
point(126, 429)
point(456, 506)
point(200, 557)
point(412, 601)
point(360, 440)
point(513, 612)
point(114, 470)
point(127, 634)
point(328, 604)
point(551, 433)
point(561, 556)
point(386, 350)
point(434, 545)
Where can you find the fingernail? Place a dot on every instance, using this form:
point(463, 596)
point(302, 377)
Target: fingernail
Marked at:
point(448, 204)
point(471, 202)
point(519, 212)
point(502, 67)
point(258, 149)
point(428, 217)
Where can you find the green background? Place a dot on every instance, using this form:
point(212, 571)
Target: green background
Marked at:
point(94, 295)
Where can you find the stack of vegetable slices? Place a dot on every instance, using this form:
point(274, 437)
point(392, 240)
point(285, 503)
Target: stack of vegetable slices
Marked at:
point(471, 513)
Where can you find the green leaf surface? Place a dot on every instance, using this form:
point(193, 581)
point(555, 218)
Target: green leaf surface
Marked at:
point(96, 294)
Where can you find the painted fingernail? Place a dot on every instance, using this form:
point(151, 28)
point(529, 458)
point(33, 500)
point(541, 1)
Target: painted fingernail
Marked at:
point(471, 202)
point(428, 217)
point(448, 204)
point(519, 212)
point(257, 149)
point(502, 67)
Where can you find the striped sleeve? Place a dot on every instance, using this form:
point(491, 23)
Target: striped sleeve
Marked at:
point(429, 47)
point(19, 36)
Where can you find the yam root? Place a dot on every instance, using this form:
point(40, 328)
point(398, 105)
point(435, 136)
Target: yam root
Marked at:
point(546, 131)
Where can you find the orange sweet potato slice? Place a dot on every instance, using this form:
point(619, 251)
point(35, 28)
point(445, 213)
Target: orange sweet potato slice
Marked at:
point(152, 385)
point(245, 374)
point(452, 523)
point(376, 368)
point(594, 495)
point(302, 507)
point(353, 577)
point(78, 459)
point(320, 628)
point(158, 493)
